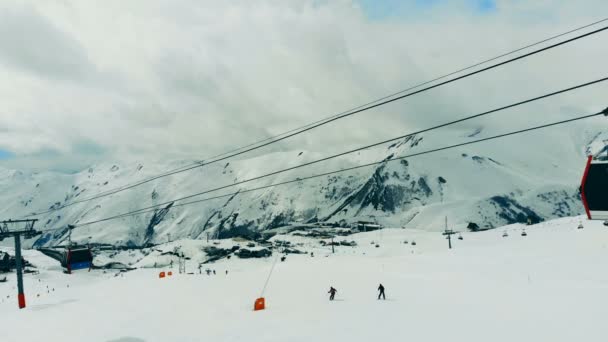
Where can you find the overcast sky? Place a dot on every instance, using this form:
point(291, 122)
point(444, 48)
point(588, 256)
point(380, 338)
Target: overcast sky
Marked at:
point(84, 81)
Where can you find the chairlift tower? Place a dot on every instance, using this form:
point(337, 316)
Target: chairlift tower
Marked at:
point(16, 228)
point(448, 233)
point(182, 264)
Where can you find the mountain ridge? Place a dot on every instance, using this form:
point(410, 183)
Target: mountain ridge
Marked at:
point(488, 185)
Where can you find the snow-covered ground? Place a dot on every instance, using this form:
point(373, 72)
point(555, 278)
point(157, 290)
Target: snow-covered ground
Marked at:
point(548, 286)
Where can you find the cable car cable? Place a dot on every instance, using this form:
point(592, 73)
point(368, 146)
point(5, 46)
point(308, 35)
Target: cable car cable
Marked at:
point(420, 84)
point(370, 105)
point(410, 88)
point(379, 143)
point(141, 211)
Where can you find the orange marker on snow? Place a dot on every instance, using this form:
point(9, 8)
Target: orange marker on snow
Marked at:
point(260, 304)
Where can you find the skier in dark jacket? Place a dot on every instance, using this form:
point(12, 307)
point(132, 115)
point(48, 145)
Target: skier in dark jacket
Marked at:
point(332, 293)
point(381, 293)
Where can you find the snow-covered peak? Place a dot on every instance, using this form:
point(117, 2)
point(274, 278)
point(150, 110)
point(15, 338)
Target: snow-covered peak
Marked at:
point(488, 184)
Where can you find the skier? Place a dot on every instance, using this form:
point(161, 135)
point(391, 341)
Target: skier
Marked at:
point(381, 294)
point(332, 293)
point(213, 272)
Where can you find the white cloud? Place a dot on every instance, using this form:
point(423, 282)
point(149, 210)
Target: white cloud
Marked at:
point(194, 78)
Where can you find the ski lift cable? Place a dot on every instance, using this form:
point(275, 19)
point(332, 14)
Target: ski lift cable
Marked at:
point(370, 105)
point(142, 211)
point(147, 210)
point(376, 144)
point(421, 84)
point(387, 96)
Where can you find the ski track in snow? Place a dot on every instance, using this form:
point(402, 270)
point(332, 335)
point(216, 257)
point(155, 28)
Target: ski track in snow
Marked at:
point(548, 286)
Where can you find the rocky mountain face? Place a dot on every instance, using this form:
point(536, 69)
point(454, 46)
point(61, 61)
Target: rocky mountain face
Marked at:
point(483, 185)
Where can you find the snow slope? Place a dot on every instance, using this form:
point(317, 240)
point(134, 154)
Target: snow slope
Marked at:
point(490, 184)
point(548, 286)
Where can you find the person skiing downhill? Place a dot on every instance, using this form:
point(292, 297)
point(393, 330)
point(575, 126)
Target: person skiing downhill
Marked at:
point(332, 293)
point(381, 293)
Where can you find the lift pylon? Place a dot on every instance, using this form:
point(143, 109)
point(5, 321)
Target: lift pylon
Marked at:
point(17, 228)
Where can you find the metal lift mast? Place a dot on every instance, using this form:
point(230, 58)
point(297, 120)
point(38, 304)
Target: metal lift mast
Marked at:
point(17, 228)
point(448, 233)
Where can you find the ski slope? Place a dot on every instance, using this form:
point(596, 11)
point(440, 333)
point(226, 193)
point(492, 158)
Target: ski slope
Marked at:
point(548, 286)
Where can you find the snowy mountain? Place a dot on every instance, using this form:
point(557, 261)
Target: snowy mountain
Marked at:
point(489, 184)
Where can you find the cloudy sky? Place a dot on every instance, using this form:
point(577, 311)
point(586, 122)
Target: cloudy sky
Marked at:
point(84, 81)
